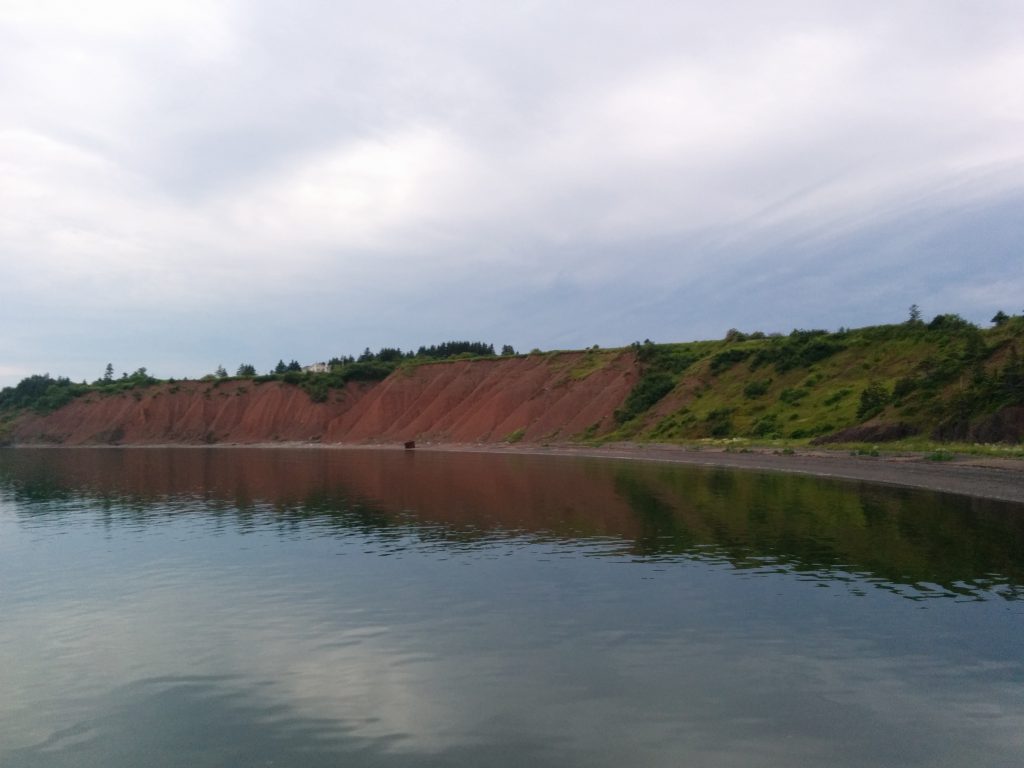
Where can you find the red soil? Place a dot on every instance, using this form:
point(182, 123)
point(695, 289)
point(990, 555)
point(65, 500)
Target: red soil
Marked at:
point(535, 397)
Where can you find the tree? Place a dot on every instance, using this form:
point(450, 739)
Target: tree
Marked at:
point(280, 367)
point(220, 373)
point(389, 354)
point(1000, 318)
point(108, 373)
point(246, 370)
point(294, 366)
point(949, 322)
point(456, 348)
point(507, 350)
point(915, 315)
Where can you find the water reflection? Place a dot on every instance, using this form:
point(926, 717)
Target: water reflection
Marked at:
point(275, 607)
point(918, 544)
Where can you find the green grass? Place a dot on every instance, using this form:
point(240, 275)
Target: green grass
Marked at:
point(811, 383)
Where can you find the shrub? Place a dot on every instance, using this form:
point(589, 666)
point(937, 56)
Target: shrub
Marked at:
point(800, 349)
point(948, 322)
point(792, 395)
point(41, 393)
point(872, 400)
point(651, 388)
point(727, 359)
point(767, 426)
point(719, 422)
point(756, 388)
point(836, 396)
point(903, 387)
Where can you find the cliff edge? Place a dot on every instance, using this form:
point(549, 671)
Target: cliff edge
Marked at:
point(532, 398)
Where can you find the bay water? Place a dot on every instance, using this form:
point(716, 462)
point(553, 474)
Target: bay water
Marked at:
point(319, 607)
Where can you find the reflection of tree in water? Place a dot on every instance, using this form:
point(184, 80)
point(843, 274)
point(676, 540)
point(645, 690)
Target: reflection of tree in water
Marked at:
point(893, 538)
point(662, 531)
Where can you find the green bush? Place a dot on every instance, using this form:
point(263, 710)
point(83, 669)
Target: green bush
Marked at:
point(800, 349)
point(756, 389)
point(873, 399)
point(836, 396)
point(792, 395)
point(949, 322)
point(41, 393)
point(727, 359)
point(719, 422)
point(651, 388)
point(767, 426)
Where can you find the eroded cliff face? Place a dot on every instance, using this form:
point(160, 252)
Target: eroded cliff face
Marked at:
point(540, 397)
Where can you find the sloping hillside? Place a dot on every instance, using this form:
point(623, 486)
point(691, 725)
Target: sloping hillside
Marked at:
point(946, 380)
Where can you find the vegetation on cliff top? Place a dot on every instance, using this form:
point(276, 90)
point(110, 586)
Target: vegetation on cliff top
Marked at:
point(42, 393)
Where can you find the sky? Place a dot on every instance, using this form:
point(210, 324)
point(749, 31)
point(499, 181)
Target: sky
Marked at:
point(191, 184)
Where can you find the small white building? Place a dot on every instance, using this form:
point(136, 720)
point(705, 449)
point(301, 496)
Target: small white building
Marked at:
point(317, 368)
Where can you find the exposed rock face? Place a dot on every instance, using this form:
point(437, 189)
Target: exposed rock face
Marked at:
point(532, 398)
point(1004, 426)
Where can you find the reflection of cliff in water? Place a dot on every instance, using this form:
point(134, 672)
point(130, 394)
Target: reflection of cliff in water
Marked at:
point(752, 521)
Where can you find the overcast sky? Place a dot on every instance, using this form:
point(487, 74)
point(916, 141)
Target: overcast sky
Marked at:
point(186, 184)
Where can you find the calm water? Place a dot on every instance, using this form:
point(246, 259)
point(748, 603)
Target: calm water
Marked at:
point(194, 607)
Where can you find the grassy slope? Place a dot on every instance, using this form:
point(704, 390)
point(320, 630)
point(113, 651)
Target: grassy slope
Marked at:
point(780, 387)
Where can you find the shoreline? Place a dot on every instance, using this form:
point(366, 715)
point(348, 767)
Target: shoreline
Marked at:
point(999, 479)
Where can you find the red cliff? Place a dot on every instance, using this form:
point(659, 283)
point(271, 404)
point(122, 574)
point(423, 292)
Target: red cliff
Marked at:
point(534, 398)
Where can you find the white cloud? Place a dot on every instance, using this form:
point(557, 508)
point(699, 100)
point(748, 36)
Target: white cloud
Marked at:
point(382, 193)
point(206, 156)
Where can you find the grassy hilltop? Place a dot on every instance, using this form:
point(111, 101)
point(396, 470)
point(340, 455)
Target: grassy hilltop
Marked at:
point(944, 380)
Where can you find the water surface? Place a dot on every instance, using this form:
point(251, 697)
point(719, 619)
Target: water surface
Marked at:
point(209, 607)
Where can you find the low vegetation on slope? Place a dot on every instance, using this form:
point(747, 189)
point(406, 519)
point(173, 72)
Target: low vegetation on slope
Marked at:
point(947, 379)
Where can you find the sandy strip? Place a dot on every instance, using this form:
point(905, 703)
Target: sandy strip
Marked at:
point(982, 477)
